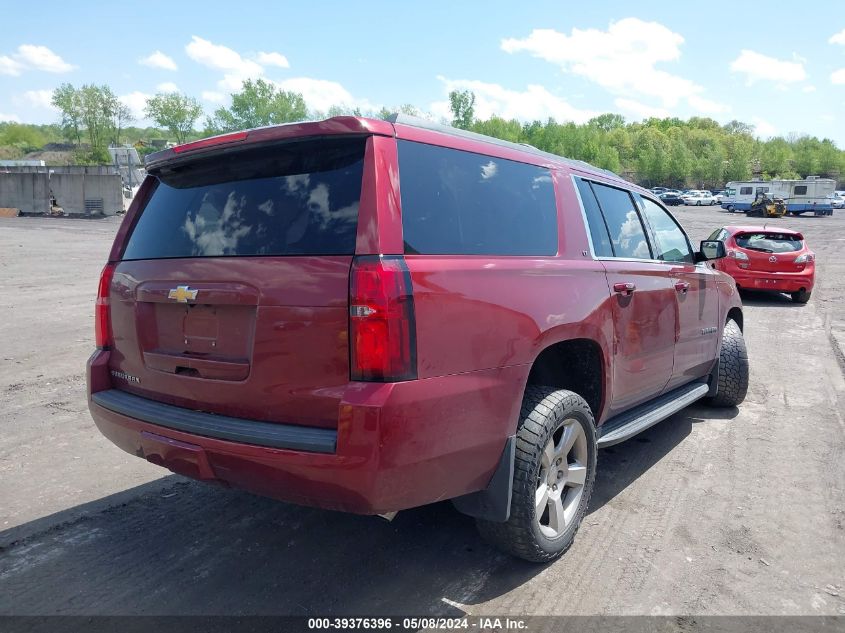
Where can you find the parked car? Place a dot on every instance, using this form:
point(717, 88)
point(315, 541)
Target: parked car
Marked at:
point(671, 199)
point(699, 198)
point(277, 315)
point(718, 196)
point(776, 260)
point(837, 200)
point(658, 190)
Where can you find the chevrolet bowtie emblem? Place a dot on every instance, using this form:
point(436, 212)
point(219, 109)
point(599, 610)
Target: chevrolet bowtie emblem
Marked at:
point(182, 294)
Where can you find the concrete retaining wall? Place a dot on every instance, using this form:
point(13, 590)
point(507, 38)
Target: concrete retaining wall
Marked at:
point(28, 192)
point(76, 193)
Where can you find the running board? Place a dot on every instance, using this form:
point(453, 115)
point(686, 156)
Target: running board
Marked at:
point(628, 424)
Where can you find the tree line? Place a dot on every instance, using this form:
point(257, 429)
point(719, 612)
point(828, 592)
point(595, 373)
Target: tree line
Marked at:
point(696, 152)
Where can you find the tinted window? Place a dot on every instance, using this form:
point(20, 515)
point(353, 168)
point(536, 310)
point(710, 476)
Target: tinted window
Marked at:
point(623, 222)
point(745, 191)
point(461, 203)
point(595, 221)
point(293, 199)
point(671, 243)
point(800, 190)
point(769, 242)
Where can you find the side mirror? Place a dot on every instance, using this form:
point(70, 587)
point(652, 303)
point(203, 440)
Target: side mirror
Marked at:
point(711, 249)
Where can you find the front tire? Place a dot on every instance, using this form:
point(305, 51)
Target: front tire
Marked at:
point(554, 471)
point(733, 368)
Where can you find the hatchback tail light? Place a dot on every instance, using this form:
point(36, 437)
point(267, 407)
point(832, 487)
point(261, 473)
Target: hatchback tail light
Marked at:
point(737, 255)
point(806, 258)
point(102, 309)
point(382, 327)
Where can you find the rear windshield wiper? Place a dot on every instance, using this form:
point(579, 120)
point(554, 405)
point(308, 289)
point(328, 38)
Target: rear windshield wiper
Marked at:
point(757, 248)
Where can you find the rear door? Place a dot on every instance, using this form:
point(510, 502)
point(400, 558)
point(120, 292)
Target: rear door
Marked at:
point(696, 297)
point(231, 295)
point(643, 302)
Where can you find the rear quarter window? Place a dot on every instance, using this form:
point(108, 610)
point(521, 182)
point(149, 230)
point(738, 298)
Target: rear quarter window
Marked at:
point(462, 203)
point(292, 199)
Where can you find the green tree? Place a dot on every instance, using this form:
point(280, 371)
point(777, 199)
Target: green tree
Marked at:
point(67, 99)
point(258, 103)
point(175, 112)
point(462, 104)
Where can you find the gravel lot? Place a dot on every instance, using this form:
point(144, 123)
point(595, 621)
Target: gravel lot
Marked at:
point(710, 512)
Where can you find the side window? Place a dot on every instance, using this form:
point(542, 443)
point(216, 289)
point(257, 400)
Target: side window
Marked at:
point(761, 190)
point(623, 222)
point(800, 190)
point(462, 203)
point(745, 191)
point(672, 245)
point(595, 221)
point(718, 234)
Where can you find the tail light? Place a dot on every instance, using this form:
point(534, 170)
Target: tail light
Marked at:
point(739, 255)
point(102, 310)
point(806, 258)
point(382, 328)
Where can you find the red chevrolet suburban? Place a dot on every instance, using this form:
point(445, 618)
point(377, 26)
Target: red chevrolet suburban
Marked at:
point(369, 316)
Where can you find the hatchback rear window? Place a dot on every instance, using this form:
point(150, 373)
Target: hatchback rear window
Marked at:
point(289, 199)
point(769, 242)
point(462, 203)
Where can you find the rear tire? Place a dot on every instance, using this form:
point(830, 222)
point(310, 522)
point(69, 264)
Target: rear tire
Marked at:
point(733, 368)
point(554, 471)
point(801, 296)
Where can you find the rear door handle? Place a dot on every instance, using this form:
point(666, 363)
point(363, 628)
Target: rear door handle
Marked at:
point(682, 287)
point(624, 287)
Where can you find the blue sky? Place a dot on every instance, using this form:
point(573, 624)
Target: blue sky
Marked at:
point(779, 66)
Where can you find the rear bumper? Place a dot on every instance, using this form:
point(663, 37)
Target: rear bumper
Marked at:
point(396, 446)
point(777, 282)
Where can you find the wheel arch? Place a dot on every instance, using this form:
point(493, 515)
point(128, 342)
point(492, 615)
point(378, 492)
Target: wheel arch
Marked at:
point(578, 365)
point(735, 314)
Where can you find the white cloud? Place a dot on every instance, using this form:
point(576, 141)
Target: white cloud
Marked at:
point(838, 38)
point(838, 76)
point(758, 67)
point(640, 110)
point(30, 56)
point(167, 86)
point(42, 58)
point(235, 68)
point(706, 106)
point(9, 66)
point(622, 59)
point(531, 104)
point(213, 97)
point(808, 89)
point(136, 101)
point(10, 118)
point(39, 99)
point(158, 60)
point(320, 94)
point(272, 59)
point(763, 128)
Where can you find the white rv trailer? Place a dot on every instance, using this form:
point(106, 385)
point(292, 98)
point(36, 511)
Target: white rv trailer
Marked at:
point(799, 196)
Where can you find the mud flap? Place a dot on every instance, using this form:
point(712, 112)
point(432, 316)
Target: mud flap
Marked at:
point(494, 502)
point(713, 380)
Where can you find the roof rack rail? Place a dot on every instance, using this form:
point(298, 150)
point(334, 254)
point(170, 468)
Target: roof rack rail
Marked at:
point(414, 121)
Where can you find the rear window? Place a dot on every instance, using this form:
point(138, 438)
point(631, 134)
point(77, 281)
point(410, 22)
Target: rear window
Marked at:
point(769, 242)
point(288, 199)
point(462, 203)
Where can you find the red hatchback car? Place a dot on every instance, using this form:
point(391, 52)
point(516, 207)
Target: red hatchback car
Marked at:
point(772, 259)
point(369, 316)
